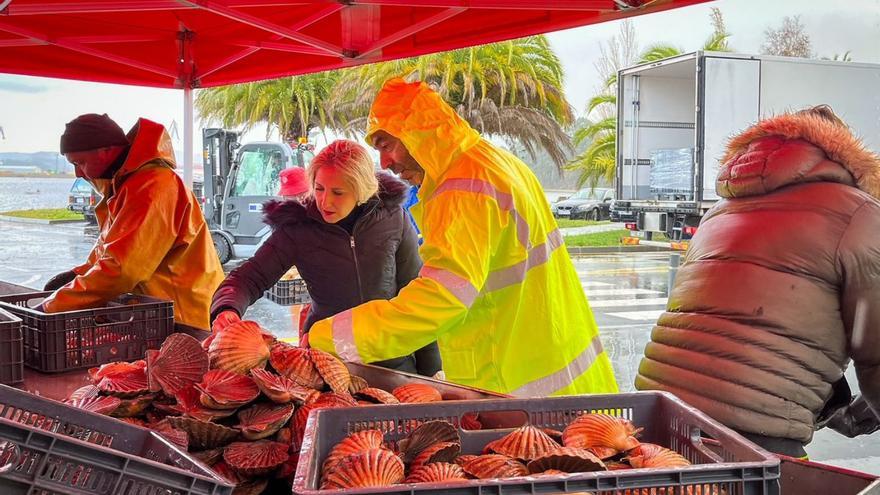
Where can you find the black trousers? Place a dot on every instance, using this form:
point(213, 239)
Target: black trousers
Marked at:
point(784, 446)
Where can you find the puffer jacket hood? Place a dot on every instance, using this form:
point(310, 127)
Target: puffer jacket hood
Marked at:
point(391, 195)
point(817, 151)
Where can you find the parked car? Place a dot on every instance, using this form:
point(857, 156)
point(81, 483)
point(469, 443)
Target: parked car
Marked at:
point(588, 203)
point(83, 198)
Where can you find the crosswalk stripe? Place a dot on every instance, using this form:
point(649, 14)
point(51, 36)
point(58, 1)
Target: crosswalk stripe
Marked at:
point(619, 292)
point(608, 303)
point(652, 314)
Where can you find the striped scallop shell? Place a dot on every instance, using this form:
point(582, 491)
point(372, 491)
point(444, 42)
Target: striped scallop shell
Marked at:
point(436, 472)
point(567, 459)
point(360, 441)
point(84, 392)
point(332, 370)
point(414, 393)
point(601, 431)
point(203, 434)
point(277, 388)
point(255, 458)
point(179, 363)
point(376, 396)
point(655, 456)
point(524, 443)
point(371, 468)
point(464, 458)
point(263, 420)
point(295, 363)
point(130, 383)
point(239, 347)
point(358, 383)
point(98, 404)
point(490, 466)
point(425, 435)
point(335, 399)
point(223, 389)
point(439, 452)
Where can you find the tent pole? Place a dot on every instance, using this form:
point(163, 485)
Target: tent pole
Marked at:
point(188, 136)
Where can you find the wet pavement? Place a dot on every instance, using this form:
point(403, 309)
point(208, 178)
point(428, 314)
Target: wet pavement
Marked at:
point(626, 291)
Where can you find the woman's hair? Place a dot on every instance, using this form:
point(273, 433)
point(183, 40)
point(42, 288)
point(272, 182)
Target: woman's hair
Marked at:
point(824, 112)
point(355, 164)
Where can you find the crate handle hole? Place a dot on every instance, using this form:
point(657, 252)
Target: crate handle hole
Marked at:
point(704, 444)
point(494, 420)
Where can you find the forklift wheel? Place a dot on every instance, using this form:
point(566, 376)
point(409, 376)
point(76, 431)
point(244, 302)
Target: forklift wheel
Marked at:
point(224, 250)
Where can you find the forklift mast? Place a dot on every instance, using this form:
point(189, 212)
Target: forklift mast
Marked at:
point(218, 152)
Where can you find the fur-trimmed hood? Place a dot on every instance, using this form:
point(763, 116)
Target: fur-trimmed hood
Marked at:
point(754, 162)
point(392, 194)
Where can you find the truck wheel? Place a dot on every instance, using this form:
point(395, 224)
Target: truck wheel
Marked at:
point(224, 250)
point(594, 215)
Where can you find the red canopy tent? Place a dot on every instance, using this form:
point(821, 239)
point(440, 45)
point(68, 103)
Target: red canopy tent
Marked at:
point(202, 43)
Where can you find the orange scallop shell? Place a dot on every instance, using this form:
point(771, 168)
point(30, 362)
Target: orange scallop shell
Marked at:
point(360, 441)
point(174, 435)
point(494, 466)
point(295, 363)
point(601, 431)
point(263, 420)
point(110, 369)
point(335, 399)
point(357, 384)
point(179, 363)
point(439, 452)
point(223, 389)
point(203, 434)
point(97, 404)
point(134, 406)
point(228, 473)
point(551, 472)
point(567, 459)
point(130, 383)
point(301, 416)
point(425, 435)
point(209, 457)
point(239, 347)
point(376, 396)
point(525, 443)
point(189, 404)
point(436, 472)
point(255, 458)
point(85, 392)
point(332, 370)
point(278, 388)
point(655, 456)
point(371, 468)
point(417, 393)
point(462, 459)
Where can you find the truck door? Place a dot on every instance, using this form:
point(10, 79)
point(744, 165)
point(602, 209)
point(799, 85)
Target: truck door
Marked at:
point(254, 180)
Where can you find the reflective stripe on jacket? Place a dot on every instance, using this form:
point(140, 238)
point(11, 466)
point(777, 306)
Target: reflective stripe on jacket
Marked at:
point(153, 241)
point(497, 290)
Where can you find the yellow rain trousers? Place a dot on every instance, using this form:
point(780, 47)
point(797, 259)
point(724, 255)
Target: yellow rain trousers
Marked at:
point(154, 240)
point(498, 290)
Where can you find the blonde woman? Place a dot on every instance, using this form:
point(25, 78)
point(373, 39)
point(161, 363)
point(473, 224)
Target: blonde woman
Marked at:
point(350, 239)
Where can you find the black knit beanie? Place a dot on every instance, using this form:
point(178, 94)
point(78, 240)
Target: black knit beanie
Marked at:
point(90, 132)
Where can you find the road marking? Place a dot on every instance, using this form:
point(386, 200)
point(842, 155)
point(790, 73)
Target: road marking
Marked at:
point(639, 315)
point(652, 301)
point(619, 292)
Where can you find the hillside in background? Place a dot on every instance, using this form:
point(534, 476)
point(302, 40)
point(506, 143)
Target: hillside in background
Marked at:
point(47, 161)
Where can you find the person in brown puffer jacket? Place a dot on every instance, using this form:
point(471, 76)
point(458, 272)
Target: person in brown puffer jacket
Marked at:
point(780, 288)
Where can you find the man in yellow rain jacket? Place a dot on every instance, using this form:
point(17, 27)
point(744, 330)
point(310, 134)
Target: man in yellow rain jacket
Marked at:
point(154, 239)
point(498, 290)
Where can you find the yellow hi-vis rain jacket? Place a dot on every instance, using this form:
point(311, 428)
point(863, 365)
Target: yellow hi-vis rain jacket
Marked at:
point(498, 290)
point(153, 241)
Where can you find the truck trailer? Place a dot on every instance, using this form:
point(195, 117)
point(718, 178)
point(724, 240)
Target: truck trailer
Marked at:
point(676, 115)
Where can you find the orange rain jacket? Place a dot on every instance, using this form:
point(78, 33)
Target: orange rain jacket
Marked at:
point(153, 241)
point(497, 290)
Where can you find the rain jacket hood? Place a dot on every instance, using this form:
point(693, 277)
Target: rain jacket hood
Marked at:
point(153, 240)
point(497, 289)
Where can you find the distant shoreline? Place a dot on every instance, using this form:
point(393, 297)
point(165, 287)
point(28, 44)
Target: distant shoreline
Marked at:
point(37, 176)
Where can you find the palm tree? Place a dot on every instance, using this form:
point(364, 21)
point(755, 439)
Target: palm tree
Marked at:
point(511, 89)
point(291, 105)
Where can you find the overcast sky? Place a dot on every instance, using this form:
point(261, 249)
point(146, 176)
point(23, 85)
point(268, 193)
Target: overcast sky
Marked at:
point(33, 110)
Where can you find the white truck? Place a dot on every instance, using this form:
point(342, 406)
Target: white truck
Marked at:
point(675, 116)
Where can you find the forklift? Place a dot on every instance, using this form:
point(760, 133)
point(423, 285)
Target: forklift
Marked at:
point(238, 180)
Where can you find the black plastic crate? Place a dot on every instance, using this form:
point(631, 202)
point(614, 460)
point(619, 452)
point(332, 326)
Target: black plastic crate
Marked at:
point(724, 462)
point(122, 330)
point(11, 361)
point(289, 292)
point(47, 447)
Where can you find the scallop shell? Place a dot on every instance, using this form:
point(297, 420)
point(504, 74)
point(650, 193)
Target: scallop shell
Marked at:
point(278, 388)
point(134, 421)
point(133, 407)
point(601, 430)
point(288, 469)
point(439, 452)
point(360, 441)
point(179, 363)
point(425, 435)
point(223, 389)
point(551, 472)
point(616, 466)
point(130, 383)
point(462, 459)
point(376, 396)
point(357, 384)
point(295, 363)
point(203, 434)
point(556, 435)
point(332, 370)
point(417, 393)
point(227, 472)
point(655, 456)
point(525, 443)
point(567, 459)
point(436, 472)
point(209, 457)
point(97, 404)
point(470, 421)
point(189, 404)
point(263, 420)
point(110, 369)
point(85, 392)
point(490, 466)
point(240, 347)
point(174, 435)
point(255, 458)
point(371, 468)
point(335, 399)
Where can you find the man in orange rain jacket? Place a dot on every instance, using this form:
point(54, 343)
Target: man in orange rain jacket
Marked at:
point(497, 290)
point(154, 239)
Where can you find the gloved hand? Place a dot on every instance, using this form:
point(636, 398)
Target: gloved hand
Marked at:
point(60, 280)
point(224, 319)
point(855, 419)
